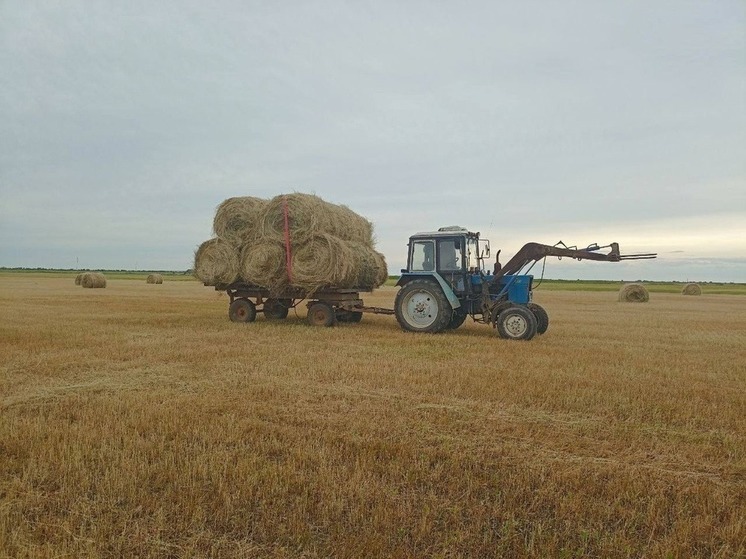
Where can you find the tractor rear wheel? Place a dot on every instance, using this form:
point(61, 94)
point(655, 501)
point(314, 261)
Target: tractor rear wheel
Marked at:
point(242, 310)
point(321, 314)
point(276, 308)
point(421, 306)
point(516, 323)
point(542, 318)
point(457, 319)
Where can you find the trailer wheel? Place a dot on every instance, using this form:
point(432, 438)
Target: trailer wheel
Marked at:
point(349, 316)
point(242, 310)
point(542, 318)
point(276, 308)
point(421, 306)
point(516, 323)
point(457, 319)
point(321, 314)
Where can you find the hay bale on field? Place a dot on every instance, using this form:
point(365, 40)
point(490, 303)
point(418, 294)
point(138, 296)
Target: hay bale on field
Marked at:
point(309, 215)
point(691, 289)
point(93, 280)
point(634, 293)
point(78, 278)
point(216, 261)
point(238, 219)
point(154, 278)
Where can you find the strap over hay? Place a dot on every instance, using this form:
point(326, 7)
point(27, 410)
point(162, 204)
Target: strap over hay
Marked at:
point(288, 254)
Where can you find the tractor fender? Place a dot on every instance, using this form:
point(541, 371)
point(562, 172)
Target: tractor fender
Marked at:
point(450, 295)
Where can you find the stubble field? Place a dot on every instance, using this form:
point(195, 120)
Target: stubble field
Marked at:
point(137, 421)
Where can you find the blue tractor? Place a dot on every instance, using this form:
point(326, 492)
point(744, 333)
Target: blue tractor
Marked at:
point(445, 281)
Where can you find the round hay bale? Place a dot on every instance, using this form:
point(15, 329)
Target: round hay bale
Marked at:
point(263, 264)
point(154, 278)
point(216, 262)
point(634, 293)
point(78, 278)
point(369, 265)
point(309, 215)
point(93, 280)
point(691, 289)
point(323, 260)
point(238, 219)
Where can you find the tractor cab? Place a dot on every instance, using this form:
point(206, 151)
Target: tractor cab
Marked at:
point(453, 253)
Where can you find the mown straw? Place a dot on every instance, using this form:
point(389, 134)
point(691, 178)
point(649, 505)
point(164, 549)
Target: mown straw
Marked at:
point(78, 278)
point(154, 278)
point(238, 219)
point(216, 262)
point(691, 289)
point(93, 280)
point(634, 293)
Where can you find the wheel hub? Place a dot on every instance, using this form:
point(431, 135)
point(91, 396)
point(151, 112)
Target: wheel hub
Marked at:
point(516, 325)
point(420, 309)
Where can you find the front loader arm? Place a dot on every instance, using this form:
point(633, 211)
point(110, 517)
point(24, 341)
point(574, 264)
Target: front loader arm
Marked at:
point(533, 252)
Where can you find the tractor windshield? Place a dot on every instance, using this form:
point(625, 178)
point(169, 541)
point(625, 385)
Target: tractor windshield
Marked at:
point(449, 254)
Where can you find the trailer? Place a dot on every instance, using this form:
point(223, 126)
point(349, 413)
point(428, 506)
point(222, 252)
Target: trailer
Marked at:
point(325, 306)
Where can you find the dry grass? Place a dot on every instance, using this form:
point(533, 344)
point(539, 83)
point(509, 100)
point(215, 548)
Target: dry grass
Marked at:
point(143, 423)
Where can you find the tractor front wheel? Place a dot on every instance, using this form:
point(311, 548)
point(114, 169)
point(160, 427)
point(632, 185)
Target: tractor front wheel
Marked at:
point(542, 318)
point(516, 323)
point(421, 306)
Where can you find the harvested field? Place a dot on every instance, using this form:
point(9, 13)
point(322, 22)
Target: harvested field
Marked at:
point(141, 422)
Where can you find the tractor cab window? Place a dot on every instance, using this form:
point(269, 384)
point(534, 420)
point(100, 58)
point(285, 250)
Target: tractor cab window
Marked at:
point(423, 257)
point(449, 254)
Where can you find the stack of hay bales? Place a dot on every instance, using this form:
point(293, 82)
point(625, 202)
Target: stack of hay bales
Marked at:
point(691, 289)
point(92, 280)
point(329, 245)
point(634, 293)
point(154, 278)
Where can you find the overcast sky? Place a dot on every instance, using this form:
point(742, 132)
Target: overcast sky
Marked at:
point(124, 124)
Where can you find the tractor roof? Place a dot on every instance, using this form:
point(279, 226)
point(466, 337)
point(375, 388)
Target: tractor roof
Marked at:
point(451, 231)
